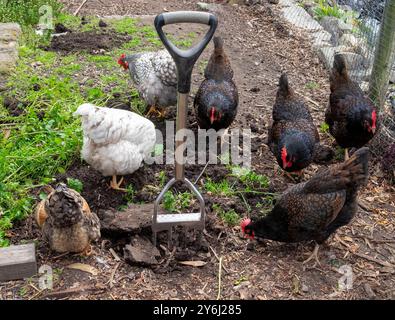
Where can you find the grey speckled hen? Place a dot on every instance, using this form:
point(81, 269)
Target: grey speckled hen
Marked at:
point(155, 76)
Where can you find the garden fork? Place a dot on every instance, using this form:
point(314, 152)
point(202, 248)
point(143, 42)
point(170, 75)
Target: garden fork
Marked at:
point(184, 60)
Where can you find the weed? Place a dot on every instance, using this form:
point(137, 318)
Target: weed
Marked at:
point(162, 178)
point(177, 202)
point(324, 127)
point(222, 188)
point(75, 184)
point(230, 217)
point(130, 194)
point(312, 85)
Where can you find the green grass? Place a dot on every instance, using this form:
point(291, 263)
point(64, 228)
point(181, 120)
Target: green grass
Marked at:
point(46, 139)
point(26, 12)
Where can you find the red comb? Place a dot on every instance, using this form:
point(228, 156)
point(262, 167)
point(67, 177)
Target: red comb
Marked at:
point(121, 61)
point(244, 223)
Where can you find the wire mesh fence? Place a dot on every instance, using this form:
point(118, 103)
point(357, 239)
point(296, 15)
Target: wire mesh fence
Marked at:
point(354, 29)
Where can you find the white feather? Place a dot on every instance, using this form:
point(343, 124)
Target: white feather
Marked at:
point(116, 142)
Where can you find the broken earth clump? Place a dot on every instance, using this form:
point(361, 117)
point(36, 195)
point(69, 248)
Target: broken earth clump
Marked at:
point(141, 252)
point(93, 42)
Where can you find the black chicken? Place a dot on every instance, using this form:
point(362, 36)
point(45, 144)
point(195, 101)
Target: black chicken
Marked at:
point(293, 136)
point(351, 116)
point(217, 99)
point(313, 210)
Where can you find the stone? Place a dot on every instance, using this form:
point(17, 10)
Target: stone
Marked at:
point(392, 76)
point(354, 61)
point(310, 6)
point(360, 75)
point(7, 61)
point(335, 27)
point(9, 33)
point(349, 41)
point(321, 38)
point(141, 252)
point(326, 55)
point(297, 16)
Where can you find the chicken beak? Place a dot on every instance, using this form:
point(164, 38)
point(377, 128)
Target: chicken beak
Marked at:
point(373, 130)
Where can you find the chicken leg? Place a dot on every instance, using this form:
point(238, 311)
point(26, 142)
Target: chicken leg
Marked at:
point(116, 185)
point(346, 157)
point(156, 110)
point(314, 255)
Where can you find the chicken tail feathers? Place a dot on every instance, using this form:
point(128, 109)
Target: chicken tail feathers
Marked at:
point(218, 44)
point(284, 89)
point(339, 69)
point(347, 175)
point(218, 67)
point(64, 206)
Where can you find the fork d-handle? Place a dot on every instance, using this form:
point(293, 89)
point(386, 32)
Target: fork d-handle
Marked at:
point(184, 60)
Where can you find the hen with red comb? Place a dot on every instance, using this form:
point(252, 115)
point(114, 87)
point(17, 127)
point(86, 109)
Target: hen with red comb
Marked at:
point(313, 210)
point(154, 75)
point(293, 136)
point(351, 115)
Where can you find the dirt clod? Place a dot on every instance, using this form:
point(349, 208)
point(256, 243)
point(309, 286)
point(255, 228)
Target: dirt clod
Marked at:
point(14, 106)
point(91, 41)
point(141, 252)
point(129, 221)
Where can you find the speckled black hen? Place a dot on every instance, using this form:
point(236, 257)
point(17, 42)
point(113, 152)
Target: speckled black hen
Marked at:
point(351, 116)
point(313, 210)
point(293, 136)
point(217, 99)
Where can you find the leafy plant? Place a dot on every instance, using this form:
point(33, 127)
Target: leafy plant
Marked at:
point(324, 127)
point(230, 217)
point(75, 184)
point(130, 194)
point(177, 202)
point(222, 188)
point(312, 85)
point(324, 9)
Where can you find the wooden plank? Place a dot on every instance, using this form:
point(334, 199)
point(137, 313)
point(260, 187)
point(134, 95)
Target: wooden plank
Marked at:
point(18, 262)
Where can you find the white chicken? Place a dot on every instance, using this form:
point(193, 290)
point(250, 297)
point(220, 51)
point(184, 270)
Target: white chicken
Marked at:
point(155, 76)
point(116, 142)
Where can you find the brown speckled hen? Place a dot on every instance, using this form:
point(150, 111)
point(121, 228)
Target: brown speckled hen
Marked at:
point(313, 210)
point(293, 136)
point(351, 116)
point(66, 221)
point(217, 99)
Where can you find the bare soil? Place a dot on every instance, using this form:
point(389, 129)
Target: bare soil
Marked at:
point(260, 46)
point(91, 41)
